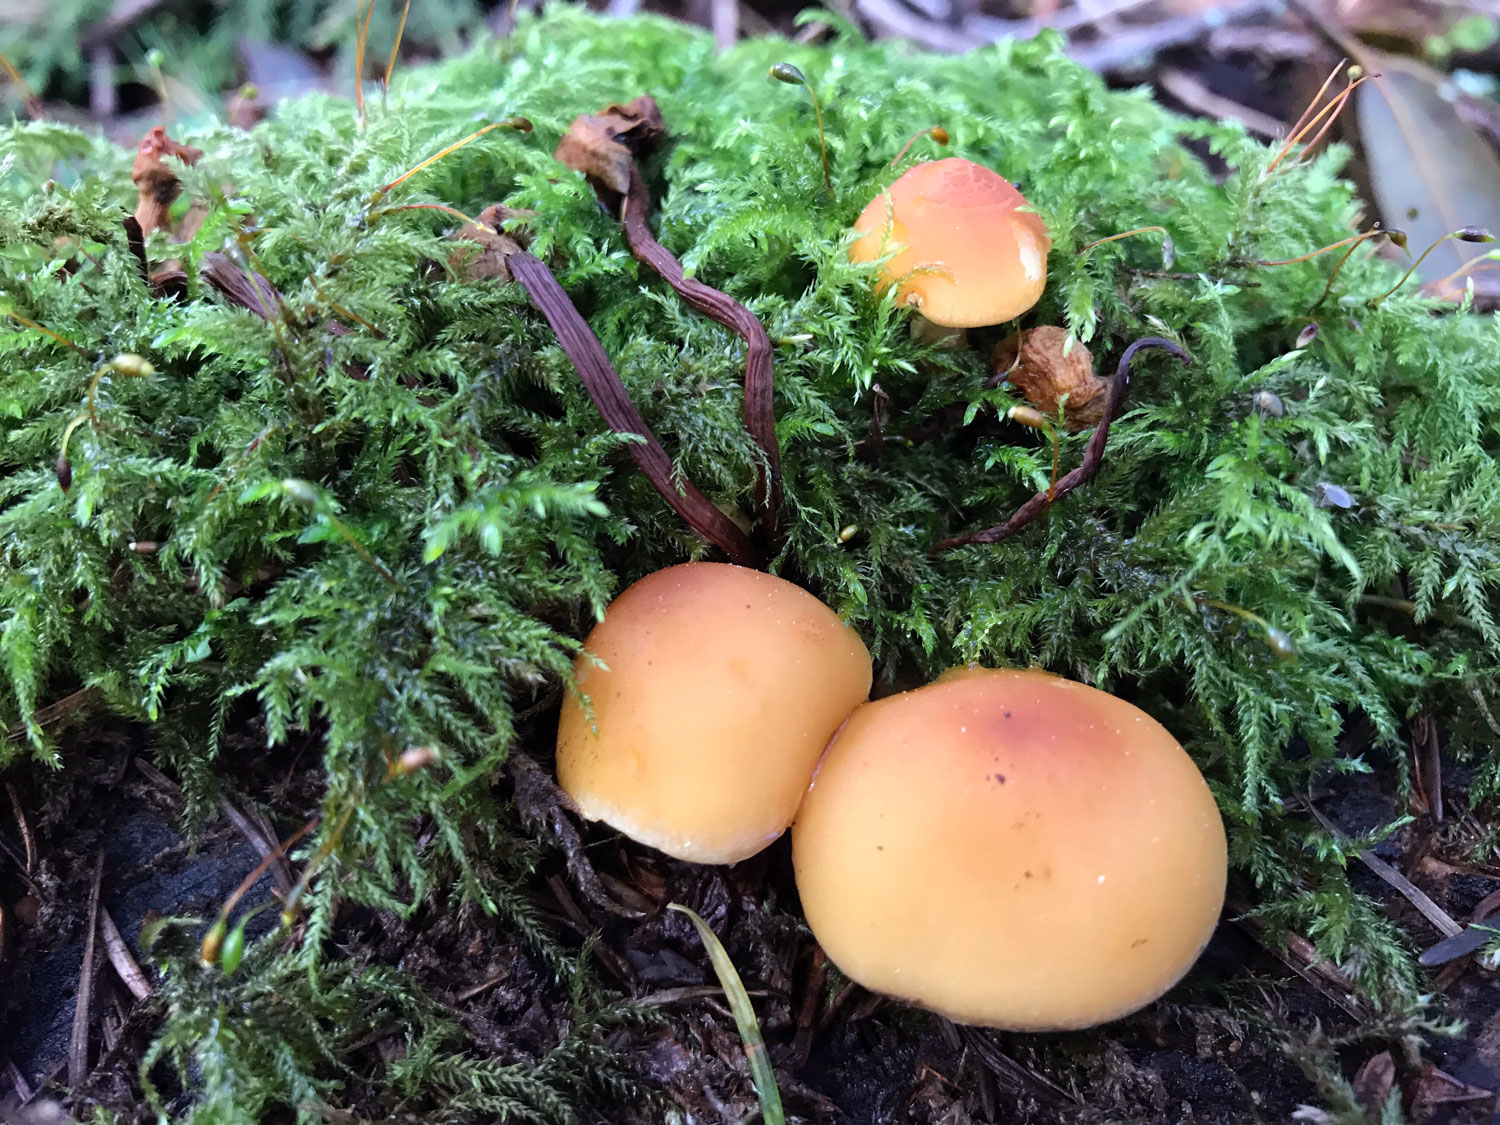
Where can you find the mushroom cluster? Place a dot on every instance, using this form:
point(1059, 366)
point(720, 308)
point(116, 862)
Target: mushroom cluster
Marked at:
point(1009, 848)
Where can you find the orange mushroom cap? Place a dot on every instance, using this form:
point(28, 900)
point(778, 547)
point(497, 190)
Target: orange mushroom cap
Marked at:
point(1011, 849)
point(713, 691)
point(968, 256)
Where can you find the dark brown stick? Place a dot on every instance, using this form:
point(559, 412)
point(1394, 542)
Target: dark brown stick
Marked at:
point(135, 242)
point(760, 415)
point(1093, 455)
point(78, 1040)
point(619, 413)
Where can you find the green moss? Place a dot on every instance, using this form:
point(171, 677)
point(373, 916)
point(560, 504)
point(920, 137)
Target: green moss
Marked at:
point(459, 448)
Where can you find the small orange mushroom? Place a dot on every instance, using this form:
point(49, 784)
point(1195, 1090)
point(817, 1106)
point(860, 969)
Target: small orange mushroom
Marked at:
point(1011, 849)
point(967, 253)
point(712, 691)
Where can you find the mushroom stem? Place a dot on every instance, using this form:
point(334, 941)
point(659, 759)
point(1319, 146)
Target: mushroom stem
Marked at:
point(924, 331)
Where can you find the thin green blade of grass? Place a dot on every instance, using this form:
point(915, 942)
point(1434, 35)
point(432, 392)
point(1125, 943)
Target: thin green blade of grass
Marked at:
point(761, 1072)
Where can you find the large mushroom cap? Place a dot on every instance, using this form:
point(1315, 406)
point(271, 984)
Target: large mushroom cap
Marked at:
point(719, 688)
point(967, 255)
point(1011, 849)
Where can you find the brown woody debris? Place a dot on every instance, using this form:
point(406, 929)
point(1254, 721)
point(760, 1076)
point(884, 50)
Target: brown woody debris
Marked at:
point(155, 180)
point(604, 145)
point(496, 246)
point(248, 290)
point(1045, 374)
point(1373, 1084)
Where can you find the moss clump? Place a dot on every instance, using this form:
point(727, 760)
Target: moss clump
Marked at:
point(446, 434)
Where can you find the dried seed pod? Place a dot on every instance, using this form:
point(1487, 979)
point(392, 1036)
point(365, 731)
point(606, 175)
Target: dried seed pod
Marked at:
point(1045, 373)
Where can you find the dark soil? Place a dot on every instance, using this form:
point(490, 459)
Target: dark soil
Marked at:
point(1220, 1048)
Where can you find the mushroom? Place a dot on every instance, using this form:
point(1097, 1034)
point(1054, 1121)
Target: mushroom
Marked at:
point(968, 255)
point(711, 691)
point(1011, 849)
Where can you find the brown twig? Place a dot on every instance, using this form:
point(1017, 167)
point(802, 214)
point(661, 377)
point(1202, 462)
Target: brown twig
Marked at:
point(121, 958)
point(760, 415)
point(1013, 1075)
point(26, 838)
point(262, 839)
point(18, 1083)
point(53, 713)
point(1093, 455)
point(1302, 957)
point(608, 394)
point(135, 242)
point(812, 996)
point(78, 1040)
point(1440, 919)
point(872, 445)
point(580, 922)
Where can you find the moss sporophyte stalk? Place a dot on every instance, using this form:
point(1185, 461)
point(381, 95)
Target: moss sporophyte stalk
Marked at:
point(388, 498)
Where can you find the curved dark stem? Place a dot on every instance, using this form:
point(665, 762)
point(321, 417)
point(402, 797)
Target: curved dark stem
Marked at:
point(135, 242)
point(609, 396)
point(1093, 455)
point(760, 416)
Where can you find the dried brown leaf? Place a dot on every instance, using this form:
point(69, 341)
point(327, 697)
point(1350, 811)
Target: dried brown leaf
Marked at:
point(155, 180)
point(1437, 1087)
point(1093, 453)
point(603, 145)
point(1431, 173)
point(1374, 1083)
point(250, 291)
point(496, 246)
point(1047, 370)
